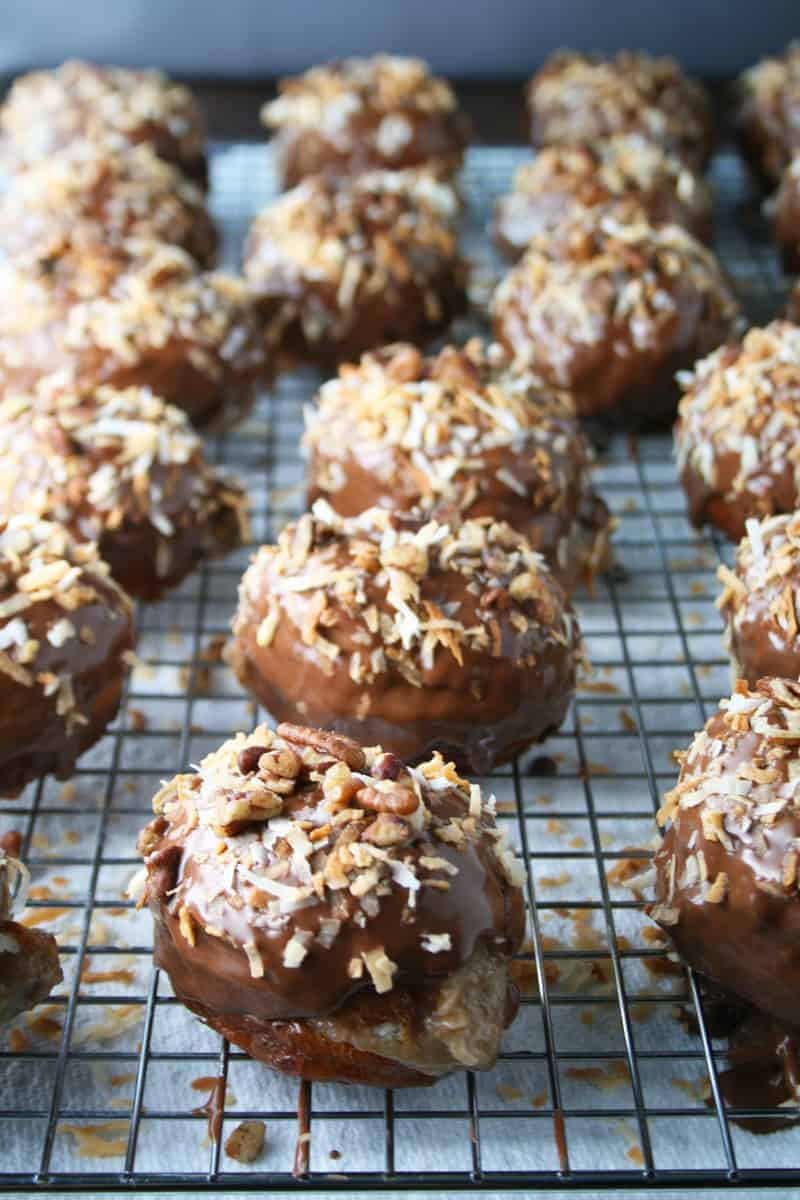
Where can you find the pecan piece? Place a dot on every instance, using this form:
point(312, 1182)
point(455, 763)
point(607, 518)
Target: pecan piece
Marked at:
point(333, 744)
point(386, 830)
point(397, 799)
point(248, 759)
point(284, 762)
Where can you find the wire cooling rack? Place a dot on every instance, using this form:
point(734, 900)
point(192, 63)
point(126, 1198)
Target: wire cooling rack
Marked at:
point(599, 1085)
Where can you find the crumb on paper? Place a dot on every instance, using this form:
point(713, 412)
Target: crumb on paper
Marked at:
point(246, 1141)
point(137, 720)
point(627, 721)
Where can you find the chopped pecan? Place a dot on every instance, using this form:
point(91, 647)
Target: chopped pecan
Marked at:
point(397, 799)
point(403, 363)
point(284, 762)
point(388, 766)
point(248, 758)
point(386, 830)
point(233, 810)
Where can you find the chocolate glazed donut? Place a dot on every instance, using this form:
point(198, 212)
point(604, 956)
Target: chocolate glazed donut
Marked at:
point(582, 99)
point(137, 314)
point(47, 110)
point(125, 470)
point(610, 309)
point(737, 438)
point(626, 169)
point(759, 601)
point(338, 915)
point(396, 629)
point(463, 435)
point(66, 633)
point(357, 114)
point(726, 881)
point(340, 266)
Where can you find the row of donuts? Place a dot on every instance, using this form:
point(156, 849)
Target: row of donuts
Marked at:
point(101, 477)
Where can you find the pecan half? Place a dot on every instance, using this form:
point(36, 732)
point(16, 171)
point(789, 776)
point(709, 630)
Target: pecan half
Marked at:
point(333, 744)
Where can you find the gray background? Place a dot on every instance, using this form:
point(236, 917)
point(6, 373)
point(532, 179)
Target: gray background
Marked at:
point(467, 38)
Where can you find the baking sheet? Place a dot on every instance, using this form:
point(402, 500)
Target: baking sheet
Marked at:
point(597, 1039)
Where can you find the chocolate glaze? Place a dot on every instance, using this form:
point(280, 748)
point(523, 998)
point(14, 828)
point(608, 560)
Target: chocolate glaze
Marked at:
point(385, 265)
point(156, 522)
point(47, 110)
point(768, 117)
point(529, 465)
point(610, 310)
point(733, 913)
point(379, 112)
point(270, 1010)
point(138, 315)
point(579, 99)
point(481, 704)
point(625, 169)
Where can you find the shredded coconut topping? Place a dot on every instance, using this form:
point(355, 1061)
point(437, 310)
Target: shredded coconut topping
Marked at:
point(48, 109)
point(352, 241)
point(584, 98)
point(326, 98)
point(741, 406)
point(46, 580)
point(373, 569)
point(741, 776)
point(598, 278)
point(105, 459)
point(113, 193)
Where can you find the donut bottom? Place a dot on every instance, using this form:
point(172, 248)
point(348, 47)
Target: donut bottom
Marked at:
point(408, 1037)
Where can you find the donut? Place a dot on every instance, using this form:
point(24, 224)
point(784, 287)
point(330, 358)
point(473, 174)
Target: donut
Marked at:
point(112, 194)
point(726, 883)
point(358, 114)
point(625, 168)
point(125, 470)
point(609, 309)
point(137, 315)
point(784, 211)
point(460, 433)
point(29, 965)
point(47, 110)
point(579, 98)
point(337, 914)
point(66, 637)
point(737, 439)
point(399, 629)
point(768, 114)
point(341, 266)
point(759, 600)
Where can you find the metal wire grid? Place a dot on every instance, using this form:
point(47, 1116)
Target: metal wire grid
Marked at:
point(598, 1084)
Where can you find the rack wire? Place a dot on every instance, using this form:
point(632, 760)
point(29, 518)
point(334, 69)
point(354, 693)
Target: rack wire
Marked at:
point(598, 1086)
